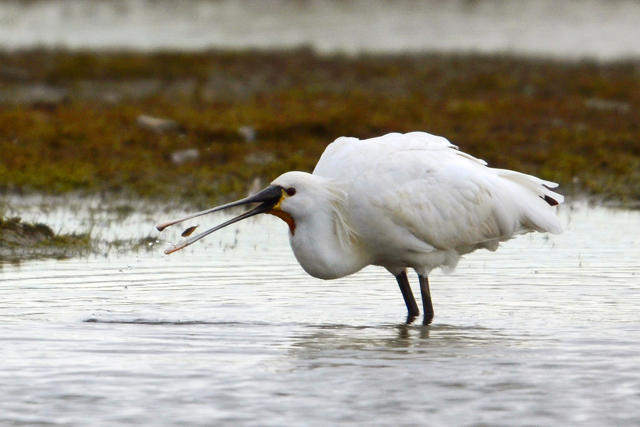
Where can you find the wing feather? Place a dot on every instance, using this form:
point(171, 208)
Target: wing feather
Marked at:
point(420, 190)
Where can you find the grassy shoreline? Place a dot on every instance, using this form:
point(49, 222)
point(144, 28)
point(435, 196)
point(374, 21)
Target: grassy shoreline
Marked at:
point(24, 240)
point(206, 127)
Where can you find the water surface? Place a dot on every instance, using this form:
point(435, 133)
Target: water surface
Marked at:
point(566, 29)
point(231, 331)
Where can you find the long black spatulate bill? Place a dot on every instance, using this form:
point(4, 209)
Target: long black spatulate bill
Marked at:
point(269, 197)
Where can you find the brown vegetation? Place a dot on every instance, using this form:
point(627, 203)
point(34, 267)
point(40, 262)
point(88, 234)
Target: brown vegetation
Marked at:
point(202, 127)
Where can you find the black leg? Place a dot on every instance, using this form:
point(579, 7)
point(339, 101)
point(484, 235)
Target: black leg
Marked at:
point(409, 300)
point(426, 300)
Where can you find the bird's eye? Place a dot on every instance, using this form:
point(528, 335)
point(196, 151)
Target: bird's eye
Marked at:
point(290, 191)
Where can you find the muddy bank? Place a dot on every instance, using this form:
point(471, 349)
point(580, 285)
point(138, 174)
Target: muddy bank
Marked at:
point(201, 128)
point(72, 226)
point(24, 240)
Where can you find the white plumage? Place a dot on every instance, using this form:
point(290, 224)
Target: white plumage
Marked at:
point(400, 201)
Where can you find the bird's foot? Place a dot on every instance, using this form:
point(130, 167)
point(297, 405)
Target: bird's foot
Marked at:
point(410, 319)
point(427, 320)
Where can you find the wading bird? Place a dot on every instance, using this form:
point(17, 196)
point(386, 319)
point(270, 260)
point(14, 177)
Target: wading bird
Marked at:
point(398, 201)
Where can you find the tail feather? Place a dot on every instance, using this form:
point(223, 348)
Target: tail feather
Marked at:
point(538, 213)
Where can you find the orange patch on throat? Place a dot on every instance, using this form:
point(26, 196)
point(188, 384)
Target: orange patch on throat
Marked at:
point(286, 218)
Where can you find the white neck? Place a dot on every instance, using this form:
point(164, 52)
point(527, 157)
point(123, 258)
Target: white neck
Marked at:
point(324, 244)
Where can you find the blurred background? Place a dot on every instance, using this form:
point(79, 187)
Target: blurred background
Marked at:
point(565, 29)
point(207, 99)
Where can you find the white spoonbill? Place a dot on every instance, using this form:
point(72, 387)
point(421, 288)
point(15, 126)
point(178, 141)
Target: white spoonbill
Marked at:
point(398, 201)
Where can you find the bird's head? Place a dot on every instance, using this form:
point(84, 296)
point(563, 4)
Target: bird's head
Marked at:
point(291, 195)
point(304, 195)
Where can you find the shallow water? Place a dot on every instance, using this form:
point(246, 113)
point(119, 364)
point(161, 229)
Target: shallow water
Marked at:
point(566, 29)
point(231, 331)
